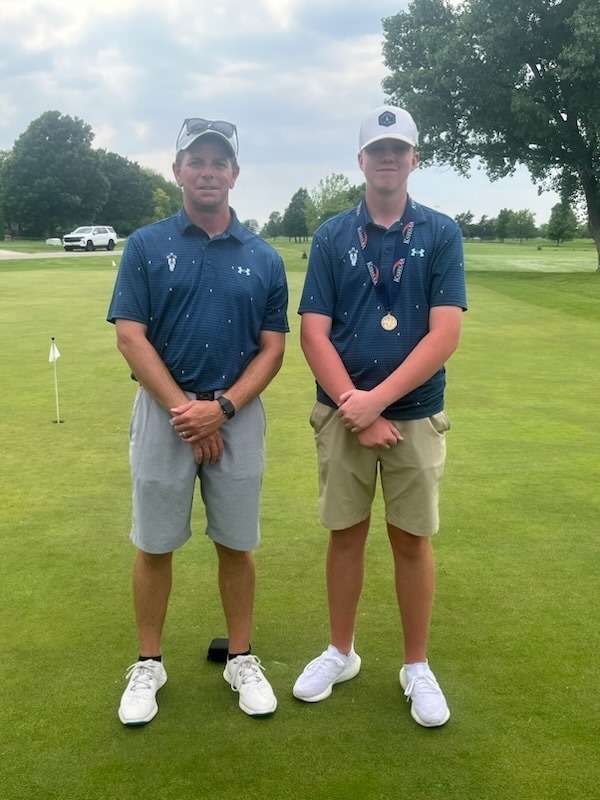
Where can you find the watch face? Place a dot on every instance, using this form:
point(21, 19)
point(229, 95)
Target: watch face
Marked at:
point(227, 406)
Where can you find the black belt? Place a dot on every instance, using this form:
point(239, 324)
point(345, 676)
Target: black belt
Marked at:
point(199, 395)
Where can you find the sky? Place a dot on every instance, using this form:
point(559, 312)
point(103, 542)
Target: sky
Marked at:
point(296, 76)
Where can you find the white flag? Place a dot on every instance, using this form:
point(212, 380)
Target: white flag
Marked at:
point(54, 352)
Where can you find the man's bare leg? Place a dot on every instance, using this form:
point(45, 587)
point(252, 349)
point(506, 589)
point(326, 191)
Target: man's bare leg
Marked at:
point(415, 580)
point(236, 584)
point(152, 577)
point(345, 571)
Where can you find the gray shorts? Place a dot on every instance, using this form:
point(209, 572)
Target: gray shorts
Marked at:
point(164, 473)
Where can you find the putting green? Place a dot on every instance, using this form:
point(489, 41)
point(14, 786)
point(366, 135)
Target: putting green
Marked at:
point(515, 630)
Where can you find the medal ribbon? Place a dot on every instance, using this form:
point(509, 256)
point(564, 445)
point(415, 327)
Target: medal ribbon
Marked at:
point(384, 284)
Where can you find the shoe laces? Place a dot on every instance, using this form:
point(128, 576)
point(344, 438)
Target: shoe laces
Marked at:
point(324, 663)
point(141, 674)
point(423, 684)
point(249, 670)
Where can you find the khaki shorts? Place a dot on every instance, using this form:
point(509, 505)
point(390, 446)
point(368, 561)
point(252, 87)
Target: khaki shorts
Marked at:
point(410, 472)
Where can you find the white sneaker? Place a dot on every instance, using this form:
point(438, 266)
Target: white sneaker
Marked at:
point(428, 704)
point(316, 682)
point(245, 675)
point(138, 703)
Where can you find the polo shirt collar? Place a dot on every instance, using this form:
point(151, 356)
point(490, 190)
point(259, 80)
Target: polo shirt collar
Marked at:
point(234, 229)
point(364, 215)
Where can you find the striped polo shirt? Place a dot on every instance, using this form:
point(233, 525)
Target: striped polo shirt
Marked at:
point(204, 301)
point(339, 285)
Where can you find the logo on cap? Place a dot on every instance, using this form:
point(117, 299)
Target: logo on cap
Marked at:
point(386, 119)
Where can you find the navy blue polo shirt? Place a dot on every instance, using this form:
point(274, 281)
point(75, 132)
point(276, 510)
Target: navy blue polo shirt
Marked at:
point(339, 286)
point(204, 301)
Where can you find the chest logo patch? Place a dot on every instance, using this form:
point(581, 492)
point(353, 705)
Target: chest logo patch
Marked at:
point(353, 254)
point(171, 261)
point(417, 252)
point(244, 271)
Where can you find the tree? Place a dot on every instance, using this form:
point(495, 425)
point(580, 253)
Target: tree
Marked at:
point(329, 198)
point(252, 225)
point(294, 217)
point(505, 224)
point(485, 228)
point(524, 224)
point(4, 156)
point(161, 204)
point(506, 82)
point(563, 224)
point(355, 193)
point(273, 227)
point(130, 201)
point(163, 209)
point(334, 194)
point(53, 179)
point(583, 231)
point(464, 221)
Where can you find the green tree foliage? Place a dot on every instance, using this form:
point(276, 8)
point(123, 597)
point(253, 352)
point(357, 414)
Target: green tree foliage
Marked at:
point(53, 179)
point(130, 200)
point(161, 204)
point(524, 225)
point(509, 224)
point(505, 224)
point(334, 194)
point(464, 221)
point(273, 227)
point(562, 225)
point(485, 228)
point(583, 231)
point(508, 82)
point(163, 208)
point(4, 156)
point(294, 217)
point(355, 193)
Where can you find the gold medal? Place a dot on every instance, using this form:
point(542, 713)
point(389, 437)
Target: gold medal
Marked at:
point(389, 322)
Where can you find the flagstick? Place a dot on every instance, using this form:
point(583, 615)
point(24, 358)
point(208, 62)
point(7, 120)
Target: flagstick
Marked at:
point(53, 357)
point(58, 419)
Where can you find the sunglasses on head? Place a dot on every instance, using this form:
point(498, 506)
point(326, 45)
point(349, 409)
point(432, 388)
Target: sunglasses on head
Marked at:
point(197, 125)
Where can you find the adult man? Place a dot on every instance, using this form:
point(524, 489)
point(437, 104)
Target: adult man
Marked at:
point(200, 311)
point(381, 314)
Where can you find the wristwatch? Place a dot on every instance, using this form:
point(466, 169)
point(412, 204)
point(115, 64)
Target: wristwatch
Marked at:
point(227, 406)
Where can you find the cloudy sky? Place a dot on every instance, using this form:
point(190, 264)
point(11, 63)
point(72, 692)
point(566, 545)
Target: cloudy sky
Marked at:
point(295, 75)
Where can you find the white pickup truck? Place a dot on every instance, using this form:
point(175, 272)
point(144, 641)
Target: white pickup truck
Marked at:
point(90, 237)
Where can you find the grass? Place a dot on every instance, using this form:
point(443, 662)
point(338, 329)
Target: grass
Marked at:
point(515, 632)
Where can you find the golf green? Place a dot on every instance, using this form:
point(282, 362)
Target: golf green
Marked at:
point(515, 630)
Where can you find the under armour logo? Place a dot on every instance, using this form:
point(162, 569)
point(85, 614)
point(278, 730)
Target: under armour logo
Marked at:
point(242, 271)
point(415, 252)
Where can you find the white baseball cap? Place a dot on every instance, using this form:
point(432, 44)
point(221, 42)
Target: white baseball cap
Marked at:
point(388, 122)
point(195, 127)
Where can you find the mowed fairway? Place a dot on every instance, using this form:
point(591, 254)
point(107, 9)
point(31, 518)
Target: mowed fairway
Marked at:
point(515, 636)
